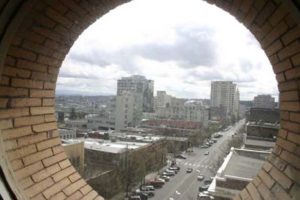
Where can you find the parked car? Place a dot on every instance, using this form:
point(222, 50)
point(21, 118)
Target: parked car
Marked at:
point(147, 188)
point(207, 181)
point(189, 170)
point(166, 178)
point(172, 170)
point(135, 197)
point(180, 156)
point(202, 196)
point(168, 173)
point(204, 147)
point(200, 177)
point(148, 193)
point(206, 153)
point(203, 188)
point(157, 183)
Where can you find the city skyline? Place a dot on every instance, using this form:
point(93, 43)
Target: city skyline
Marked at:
point(182, 55)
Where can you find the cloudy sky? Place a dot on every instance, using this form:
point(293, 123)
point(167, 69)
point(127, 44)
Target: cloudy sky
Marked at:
point(182, 45)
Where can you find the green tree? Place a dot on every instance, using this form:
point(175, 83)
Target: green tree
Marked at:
point(73, 113)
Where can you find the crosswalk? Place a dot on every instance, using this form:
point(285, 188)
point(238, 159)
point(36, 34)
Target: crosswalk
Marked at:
point(193, 165)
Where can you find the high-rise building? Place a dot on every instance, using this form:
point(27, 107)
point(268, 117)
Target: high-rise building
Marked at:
point(264, 101)
point(137, 84)
point(225, 95)
point(129, 110)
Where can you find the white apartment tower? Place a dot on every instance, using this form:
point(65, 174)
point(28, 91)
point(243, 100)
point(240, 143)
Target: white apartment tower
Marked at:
point(225, 94)
point(138, 85)
point(134, 96)
point(264, 101)
point(129, 110)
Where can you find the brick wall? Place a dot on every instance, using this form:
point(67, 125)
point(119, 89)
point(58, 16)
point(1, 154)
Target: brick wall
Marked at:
point(35, 36)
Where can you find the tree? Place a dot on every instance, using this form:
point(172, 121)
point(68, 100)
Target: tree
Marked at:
point(73, 114)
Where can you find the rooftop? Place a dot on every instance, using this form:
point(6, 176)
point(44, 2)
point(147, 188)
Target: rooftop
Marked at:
point(242, 164)
point(107, 146)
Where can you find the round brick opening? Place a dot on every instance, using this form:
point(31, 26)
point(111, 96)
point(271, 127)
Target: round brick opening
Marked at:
point(36, 35)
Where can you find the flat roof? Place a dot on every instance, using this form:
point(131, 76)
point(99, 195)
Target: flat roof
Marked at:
point(108, 146)
point(242, 164)
point(260, 143)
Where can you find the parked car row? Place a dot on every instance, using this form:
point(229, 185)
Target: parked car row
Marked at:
point(148, 189)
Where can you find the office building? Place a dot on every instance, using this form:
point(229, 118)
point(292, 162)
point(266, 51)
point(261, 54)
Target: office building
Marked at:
point(225, 95)
point(137, 84)
point(264, 101)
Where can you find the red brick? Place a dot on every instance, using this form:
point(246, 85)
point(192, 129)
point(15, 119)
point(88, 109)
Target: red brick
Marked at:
point(16, 72)
point(25, 102)
point(5, 81)
point(21, 152)
point(63, 173)
point(86, 189)
point(57, 187)
point(74, 177)
point(41, 110)
point(282, 133)
point(49, 85)
point(22, 53)
point(291, 35)
point(54, 159)
point(32, 36)
point(29, 170)
point(289, 96)
point(50, 118)
point(27, 182)
point(287, 86)
point(290, 50)
point(43, 76)
point(42, 93)
point(37, 48)
point(76, 195)
point(37, 156)
point(291, 126)
point(280, 77)
point(16, 132)
point(11, 113)
point(32, 139)
point(290, 106)
point(13, 92)
point(291, 158)
point(265, 192)
point(282, 66)
point(45, 173)
point(44, 127)
point(273, 48)
point(6, 124)
point(74, 187)
point(74, 7)
point(3, 103)
point(38, 187)
point(280, 193)
point(266, 178)
point(295, 117)
point(59, 196)
point(278, 15)
point(292, 73)
point(31, 120)
point(293, 173)
point(56, 16)
point(65, 163)
point(276, 32)
point(294, 137)
point(49, 143)
point(49, 61)
point(90, 196)
point(48, 102)
point(31, 66)
point(253, 192)
point(17, 164)
point(27, 83)
point(282, 179)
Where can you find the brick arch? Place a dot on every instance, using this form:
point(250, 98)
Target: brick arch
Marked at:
point(35, 36)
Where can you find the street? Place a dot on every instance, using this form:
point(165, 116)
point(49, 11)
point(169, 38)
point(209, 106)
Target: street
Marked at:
point(184, 186)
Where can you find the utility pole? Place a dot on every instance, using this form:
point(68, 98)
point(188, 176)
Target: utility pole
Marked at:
point(126, 169)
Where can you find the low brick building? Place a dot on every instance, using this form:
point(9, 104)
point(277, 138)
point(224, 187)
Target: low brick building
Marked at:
point(237, 171)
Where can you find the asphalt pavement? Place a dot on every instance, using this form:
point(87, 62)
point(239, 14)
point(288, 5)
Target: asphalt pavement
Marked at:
point(184, 186)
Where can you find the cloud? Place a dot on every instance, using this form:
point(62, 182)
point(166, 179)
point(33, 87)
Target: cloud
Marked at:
point(182, 48)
